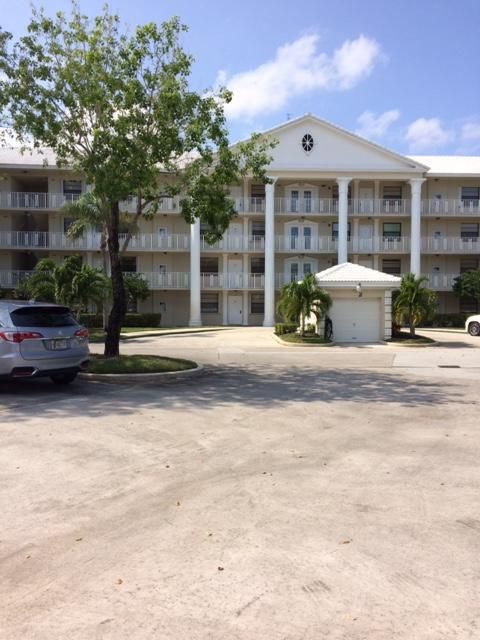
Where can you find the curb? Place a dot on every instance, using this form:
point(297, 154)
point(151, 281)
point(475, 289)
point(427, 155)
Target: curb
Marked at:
point(299, 344)
point(140, 378)
point(415, 346)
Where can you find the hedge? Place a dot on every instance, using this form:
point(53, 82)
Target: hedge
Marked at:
point(285, 327)
point(95, 321)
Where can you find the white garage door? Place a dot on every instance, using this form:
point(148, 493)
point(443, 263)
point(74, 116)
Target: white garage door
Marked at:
point(355, 320)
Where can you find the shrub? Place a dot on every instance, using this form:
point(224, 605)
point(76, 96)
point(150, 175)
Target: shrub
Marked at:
point(95, 321)
point(449, 320)
point(285, 327)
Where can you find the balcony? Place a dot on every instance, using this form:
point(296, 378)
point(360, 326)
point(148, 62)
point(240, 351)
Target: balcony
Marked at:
point(26, 200)
point(441, 281)
point(219, 281)
point(11, 279)
point(234, 243)
point(379, 245)
point(438, 208)
point(450, 245)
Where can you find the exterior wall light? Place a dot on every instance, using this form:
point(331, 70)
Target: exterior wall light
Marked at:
point(358, 289)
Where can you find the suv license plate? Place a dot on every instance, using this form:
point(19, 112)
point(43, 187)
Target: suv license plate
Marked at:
point(59, 345)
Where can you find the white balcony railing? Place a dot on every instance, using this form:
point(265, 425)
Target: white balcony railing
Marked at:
point(449, 207)
point(450, 245)
point(441, 281)
point(29, 200)
point(11, 279)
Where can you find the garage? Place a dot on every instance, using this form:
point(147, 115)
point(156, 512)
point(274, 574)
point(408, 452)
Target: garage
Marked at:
point(356, 320)
point(361, 302)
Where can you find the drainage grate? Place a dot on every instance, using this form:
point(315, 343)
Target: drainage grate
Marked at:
point(449, 366)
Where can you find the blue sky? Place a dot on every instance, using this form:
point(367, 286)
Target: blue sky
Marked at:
point(404, 73)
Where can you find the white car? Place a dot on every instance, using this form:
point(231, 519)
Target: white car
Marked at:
point(472, 325)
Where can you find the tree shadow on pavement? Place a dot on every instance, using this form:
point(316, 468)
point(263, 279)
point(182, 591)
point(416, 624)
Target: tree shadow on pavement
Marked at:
point(224, 387)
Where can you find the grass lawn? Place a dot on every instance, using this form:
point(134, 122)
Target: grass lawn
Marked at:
point(294, 338)
point(404, 337)
point(137, 364)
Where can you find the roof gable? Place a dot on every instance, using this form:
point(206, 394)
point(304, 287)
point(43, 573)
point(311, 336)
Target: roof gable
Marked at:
point(334, 149)
point(349, 274)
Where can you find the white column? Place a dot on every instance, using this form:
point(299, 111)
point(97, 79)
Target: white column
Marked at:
point(356, 194)
point(225, 307)
point(225, 291)
point(415, 224)
point(343, 219)
point(195, 304)
point(245, 309)
point(269, 317)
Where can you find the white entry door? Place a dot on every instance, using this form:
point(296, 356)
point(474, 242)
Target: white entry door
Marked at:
point(235, 309)
point(356, 320)
point(365, 236)
point(235, 274)
point(365, 195)
point(235, 236)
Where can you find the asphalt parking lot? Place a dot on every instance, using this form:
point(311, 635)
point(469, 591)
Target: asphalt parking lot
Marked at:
point(285, 494)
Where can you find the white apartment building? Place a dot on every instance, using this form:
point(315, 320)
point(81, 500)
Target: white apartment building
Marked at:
point(333, 197)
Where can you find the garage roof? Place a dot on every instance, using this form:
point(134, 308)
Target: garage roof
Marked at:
point(348, 274)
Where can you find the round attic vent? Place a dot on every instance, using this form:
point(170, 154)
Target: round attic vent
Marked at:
point(307, 142)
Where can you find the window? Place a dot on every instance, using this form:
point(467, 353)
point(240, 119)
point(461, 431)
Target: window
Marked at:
point(128, 264)
point(258, 190)
point(307, 142)
point(307, 268)
point(294, 201)
point(67, 223)
point(468, 264)
point(392, 230)
point(293, 271)
point(162, 307)
point(208, 265)
point(257, 304)
point(392, 194)
point(335, 231)
point(293, 237)
point(470, 193)
point(469, 231)
point(162, 232)
point(307, 237)
point(307, 200)
point(393, 267)
point(162, 268)
point(209, 302)
point(72, 187)
point(258, 228)
point(257, 265)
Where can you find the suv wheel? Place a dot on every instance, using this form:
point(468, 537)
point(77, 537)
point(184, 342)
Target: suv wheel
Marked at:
point(63, 378)
point(474, 328)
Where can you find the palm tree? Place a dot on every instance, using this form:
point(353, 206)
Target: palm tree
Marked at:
point(69, 282)
point(299, 300)
point(414, 302)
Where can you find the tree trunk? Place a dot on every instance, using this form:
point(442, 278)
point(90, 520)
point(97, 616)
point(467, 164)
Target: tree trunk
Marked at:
point(103, 249)
point(119, 306)
point(412, 327)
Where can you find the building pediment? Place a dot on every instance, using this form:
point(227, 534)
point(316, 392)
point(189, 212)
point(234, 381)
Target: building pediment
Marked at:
point(309, 144)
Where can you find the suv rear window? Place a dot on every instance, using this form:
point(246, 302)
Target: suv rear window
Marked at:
point(42, 317)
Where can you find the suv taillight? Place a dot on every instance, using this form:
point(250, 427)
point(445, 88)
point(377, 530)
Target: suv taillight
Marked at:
point(81, 333)
point(19, 336)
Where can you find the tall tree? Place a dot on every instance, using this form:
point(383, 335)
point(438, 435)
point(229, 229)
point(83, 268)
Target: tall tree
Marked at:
point(301, 299)
point(414, 303)
point(118, 108)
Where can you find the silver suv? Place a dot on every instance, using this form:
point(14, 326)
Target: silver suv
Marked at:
point(40, 339)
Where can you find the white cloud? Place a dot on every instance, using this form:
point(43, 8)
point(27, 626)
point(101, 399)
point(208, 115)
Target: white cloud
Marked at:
point(373, 126)
point(471, 132)
point(296, 69)
point(428, 134)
